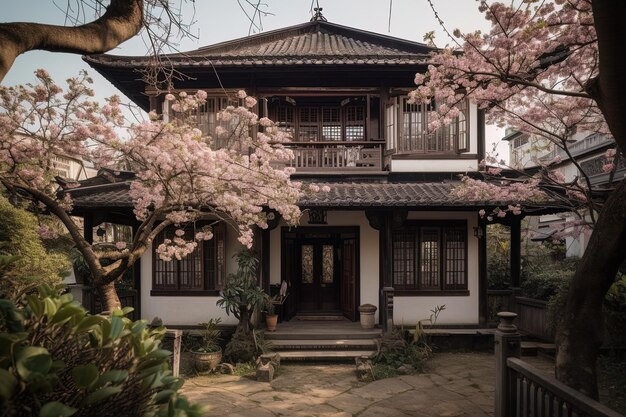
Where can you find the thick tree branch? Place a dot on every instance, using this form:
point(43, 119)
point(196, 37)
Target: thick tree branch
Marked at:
point(122, 20)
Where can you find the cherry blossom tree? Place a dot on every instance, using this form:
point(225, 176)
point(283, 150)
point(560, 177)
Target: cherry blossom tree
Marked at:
point(181, 176)
point(545, 67)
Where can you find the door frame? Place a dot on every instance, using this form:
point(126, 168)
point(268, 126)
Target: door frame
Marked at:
point(302, 233)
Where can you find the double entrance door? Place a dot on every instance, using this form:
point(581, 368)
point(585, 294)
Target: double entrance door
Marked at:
point(321, 265)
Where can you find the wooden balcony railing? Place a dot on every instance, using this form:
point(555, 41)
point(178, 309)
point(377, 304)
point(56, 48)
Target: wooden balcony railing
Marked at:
point(334, 156)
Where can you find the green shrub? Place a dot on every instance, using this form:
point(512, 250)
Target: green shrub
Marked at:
point(615, 313)
point(498, 249)
point(58, 360)
point(18, 234)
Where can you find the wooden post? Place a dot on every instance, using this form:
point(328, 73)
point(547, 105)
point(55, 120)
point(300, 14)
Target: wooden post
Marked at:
point(516, 251)
point(388, 307)
point(507, 344)
point(387, 270)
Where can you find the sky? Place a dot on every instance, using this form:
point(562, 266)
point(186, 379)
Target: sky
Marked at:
point(221, 20)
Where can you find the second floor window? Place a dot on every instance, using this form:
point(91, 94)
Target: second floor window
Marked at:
point(321, 123)
point(412, 135)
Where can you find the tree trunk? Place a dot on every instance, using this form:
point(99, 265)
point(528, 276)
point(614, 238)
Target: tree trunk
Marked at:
point(580, 329)
point(122, 20)
point(243, 326)
point(108, 295)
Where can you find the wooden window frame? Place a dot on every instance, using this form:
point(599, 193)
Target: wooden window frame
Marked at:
point(447, 139)
point(413, 277)
point(212, 275)
point(320, 123)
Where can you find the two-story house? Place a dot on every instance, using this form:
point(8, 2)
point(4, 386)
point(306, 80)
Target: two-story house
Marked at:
point(390, 224)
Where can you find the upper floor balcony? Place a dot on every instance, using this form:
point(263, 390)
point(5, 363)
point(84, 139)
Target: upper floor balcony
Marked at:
point(587, 144)
point(352, 134)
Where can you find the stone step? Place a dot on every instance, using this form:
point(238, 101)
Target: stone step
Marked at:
point(324, 355)
point(323, 344)
point(322, 334)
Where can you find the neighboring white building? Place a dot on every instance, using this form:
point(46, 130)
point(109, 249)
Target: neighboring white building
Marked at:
point(527, 152)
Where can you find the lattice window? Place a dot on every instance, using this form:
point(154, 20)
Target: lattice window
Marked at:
point(430, 257)
point(201, 270)
point(404, 259)
point(355, 122)
point(285, 119)
point(331, 123)
point(455, 258)
point(308, 126)
point(415, 136)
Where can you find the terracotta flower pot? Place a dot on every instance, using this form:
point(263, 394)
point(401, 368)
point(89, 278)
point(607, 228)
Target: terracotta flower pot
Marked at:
point(270, 322)
point(206, 361)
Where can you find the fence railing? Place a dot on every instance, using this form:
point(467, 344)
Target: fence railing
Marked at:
point(532, 314)
point(524, 391)
point(336, 156)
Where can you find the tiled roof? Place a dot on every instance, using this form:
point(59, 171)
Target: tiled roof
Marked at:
point(313, 43)
point(354, 194)
point(402, 194)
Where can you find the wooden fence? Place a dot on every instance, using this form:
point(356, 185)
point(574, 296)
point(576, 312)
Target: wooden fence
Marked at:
point(532, 314)
point(524, 391)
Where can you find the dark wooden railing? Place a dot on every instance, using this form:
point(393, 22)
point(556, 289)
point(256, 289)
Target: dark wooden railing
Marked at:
point(336, 156)
point(524, 391)
point(532, 314)
point(533, 317)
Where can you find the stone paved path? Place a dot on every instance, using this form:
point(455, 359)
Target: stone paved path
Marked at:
point(455, 384)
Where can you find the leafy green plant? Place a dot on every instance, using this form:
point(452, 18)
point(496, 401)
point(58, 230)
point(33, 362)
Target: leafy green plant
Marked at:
point(210, 337)
point(270, 309)
point(19, 237)
point(58, 360)
point(399, 349)
point(241, 294)
point(240, 297)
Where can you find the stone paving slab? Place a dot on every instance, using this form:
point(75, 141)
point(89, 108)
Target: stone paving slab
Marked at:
point(454, 384)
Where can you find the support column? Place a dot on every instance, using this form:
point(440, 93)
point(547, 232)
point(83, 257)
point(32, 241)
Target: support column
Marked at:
point(516, 251)
point(387, 270)
point(483, 301)
point(265, 260)
point(507, 345)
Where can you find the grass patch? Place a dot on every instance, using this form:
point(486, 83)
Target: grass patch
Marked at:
point(382, 371)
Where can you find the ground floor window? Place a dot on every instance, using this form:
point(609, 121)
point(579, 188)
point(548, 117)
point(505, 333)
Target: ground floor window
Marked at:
point(430, 256)
point(200, 271)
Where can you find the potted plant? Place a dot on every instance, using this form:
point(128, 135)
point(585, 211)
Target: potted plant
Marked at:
point(271, 318)
point(208, 353)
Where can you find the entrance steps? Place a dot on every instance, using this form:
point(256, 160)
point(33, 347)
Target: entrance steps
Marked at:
point(323, 341)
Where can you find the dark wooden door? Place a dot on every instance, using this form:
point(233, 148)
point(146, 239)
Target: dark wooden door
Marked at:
point(348, 277)
point(318, 287)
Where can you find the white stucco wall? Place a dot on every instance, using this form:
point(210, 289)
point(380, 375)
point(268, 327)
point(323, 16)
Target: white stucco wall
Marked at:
point(459, 309)
point(185, 310)
point(434, 165)
point(190, 310)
